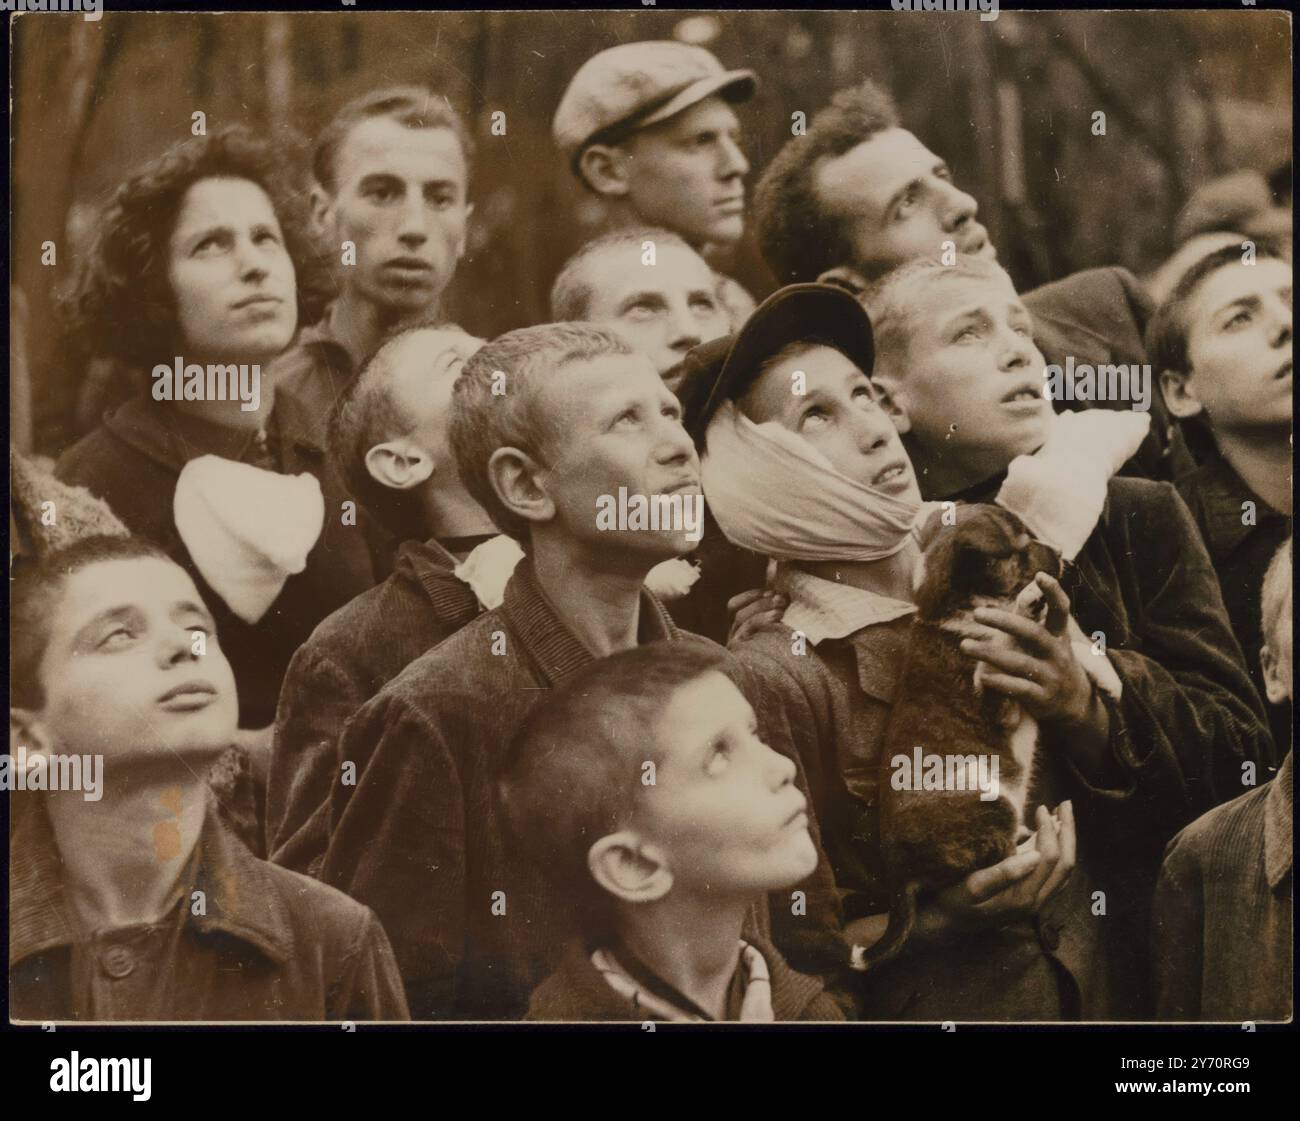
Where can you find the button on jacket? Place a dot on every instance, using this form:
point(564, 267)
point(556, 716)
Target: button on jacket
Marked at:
point(266, 944)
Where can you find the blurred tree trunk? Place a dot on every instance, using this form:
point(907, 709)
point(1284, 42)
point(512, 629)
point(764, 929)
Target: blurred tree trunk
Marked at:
point(279, 72)
point(61, 65)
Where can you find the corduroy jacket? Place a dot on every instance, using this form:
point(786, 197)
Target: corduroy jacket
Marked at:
point(347, 660)
point(266, 944)
point(421, 840)
point(1221, 923)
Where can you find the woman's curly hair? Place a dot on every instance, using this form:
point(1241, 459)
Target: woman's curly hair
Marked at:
point(121, 304)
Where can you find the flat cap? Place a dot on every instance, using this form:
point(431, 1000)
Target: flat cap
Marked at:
point(626, 88)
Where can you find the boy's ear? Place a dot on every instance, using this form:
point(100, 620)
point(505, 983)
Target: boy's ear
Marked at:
point(846, 277)
point(890, 397)
point(1180, 398)
point(399, 464)
point(516, 478)
point(1276, 688)
point(464, 231)
point(605, 169)
point(28, 729)
point(630, 870)
point(320, 212)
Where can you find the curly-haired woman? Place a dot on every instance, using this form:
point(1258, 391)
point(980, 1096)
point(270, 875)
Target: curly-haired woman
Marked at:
point(199, 276)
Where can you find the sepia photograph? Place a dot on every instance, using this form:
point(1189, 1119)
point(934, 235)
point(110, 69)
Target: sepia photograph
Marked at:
point(650, 517)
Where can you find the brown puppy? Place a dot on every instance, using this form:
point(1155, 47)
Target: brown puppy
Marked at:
point(957, 760)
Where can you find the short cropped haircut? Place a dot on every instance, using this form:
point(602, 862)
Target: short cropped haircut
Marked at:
point(483, 420)
point(572, 291)
point(572, 773)
point(1166, 336)
point(365, 415)
point(797, 237)
point(121, 304)
point(410, 106)
point(34, 590)
point(1275, 597)
point(890, 301)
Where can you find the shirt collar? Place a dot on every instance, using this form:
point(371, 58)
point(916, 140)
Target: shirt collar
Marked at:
point(1277, 825)
point(556, 650)
point(239, 897)
point(822, 609)
point(309, 377)
point(432, 567)
point(1222, 495)
point(756, 1004)
point(323, 335)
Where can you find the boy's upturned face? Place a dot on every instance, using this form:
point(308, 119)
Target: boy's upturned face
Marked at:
point(724, 807)
point(401, 199)
point(898, 202)
point(661, 310)
point(610, 423)
point(1239, 345)
point(971, 379)
point(688, 174)
point(427, 366)
point(837, 413)
point(119, 673)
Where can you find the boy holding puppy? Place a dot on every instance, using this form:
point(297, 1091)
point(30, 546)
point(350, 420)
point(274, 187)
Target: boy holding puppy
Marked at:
point(644, 787)
point(959, 371)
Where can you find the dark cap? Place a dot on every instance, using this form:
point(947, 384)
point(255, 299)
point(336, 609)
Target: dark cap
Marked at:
point(725, 368)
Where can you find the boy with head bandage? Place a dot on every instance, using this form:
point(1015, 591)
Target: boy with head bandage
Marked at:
point(800, 464)
point(956, 371)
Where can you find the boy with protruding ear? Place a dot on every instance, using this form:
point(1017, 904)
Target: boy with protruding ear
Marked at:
point(1221, 924)
point(131, 898)
point(389, 443)
point(644, 788)
point(1222, 345)
point(546, 422)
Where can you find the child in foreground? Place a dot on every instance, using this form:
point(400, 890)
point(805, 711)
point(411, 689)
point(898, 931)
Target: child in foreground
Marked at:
point(643, 787)
point(130, 898)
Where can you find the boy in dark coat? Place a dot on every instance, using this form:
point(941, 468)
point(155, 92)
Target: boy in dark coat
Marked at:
point(643, 788)
point(546, 422)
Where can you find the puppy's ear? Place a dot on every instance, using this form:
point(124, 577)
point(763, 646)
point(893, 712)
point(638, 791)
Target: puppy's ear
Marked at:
point(933, 587)
point(929, 532)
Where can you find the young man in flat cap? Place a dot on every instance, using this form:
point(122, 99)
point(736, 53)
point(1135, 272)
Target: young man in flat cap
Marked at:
point(649, 128)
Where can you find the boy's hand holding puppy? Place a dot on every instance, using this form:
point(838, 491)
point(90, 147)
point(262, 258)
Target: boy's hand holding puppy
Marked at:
point(1012, 889)
point(1038, 668)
